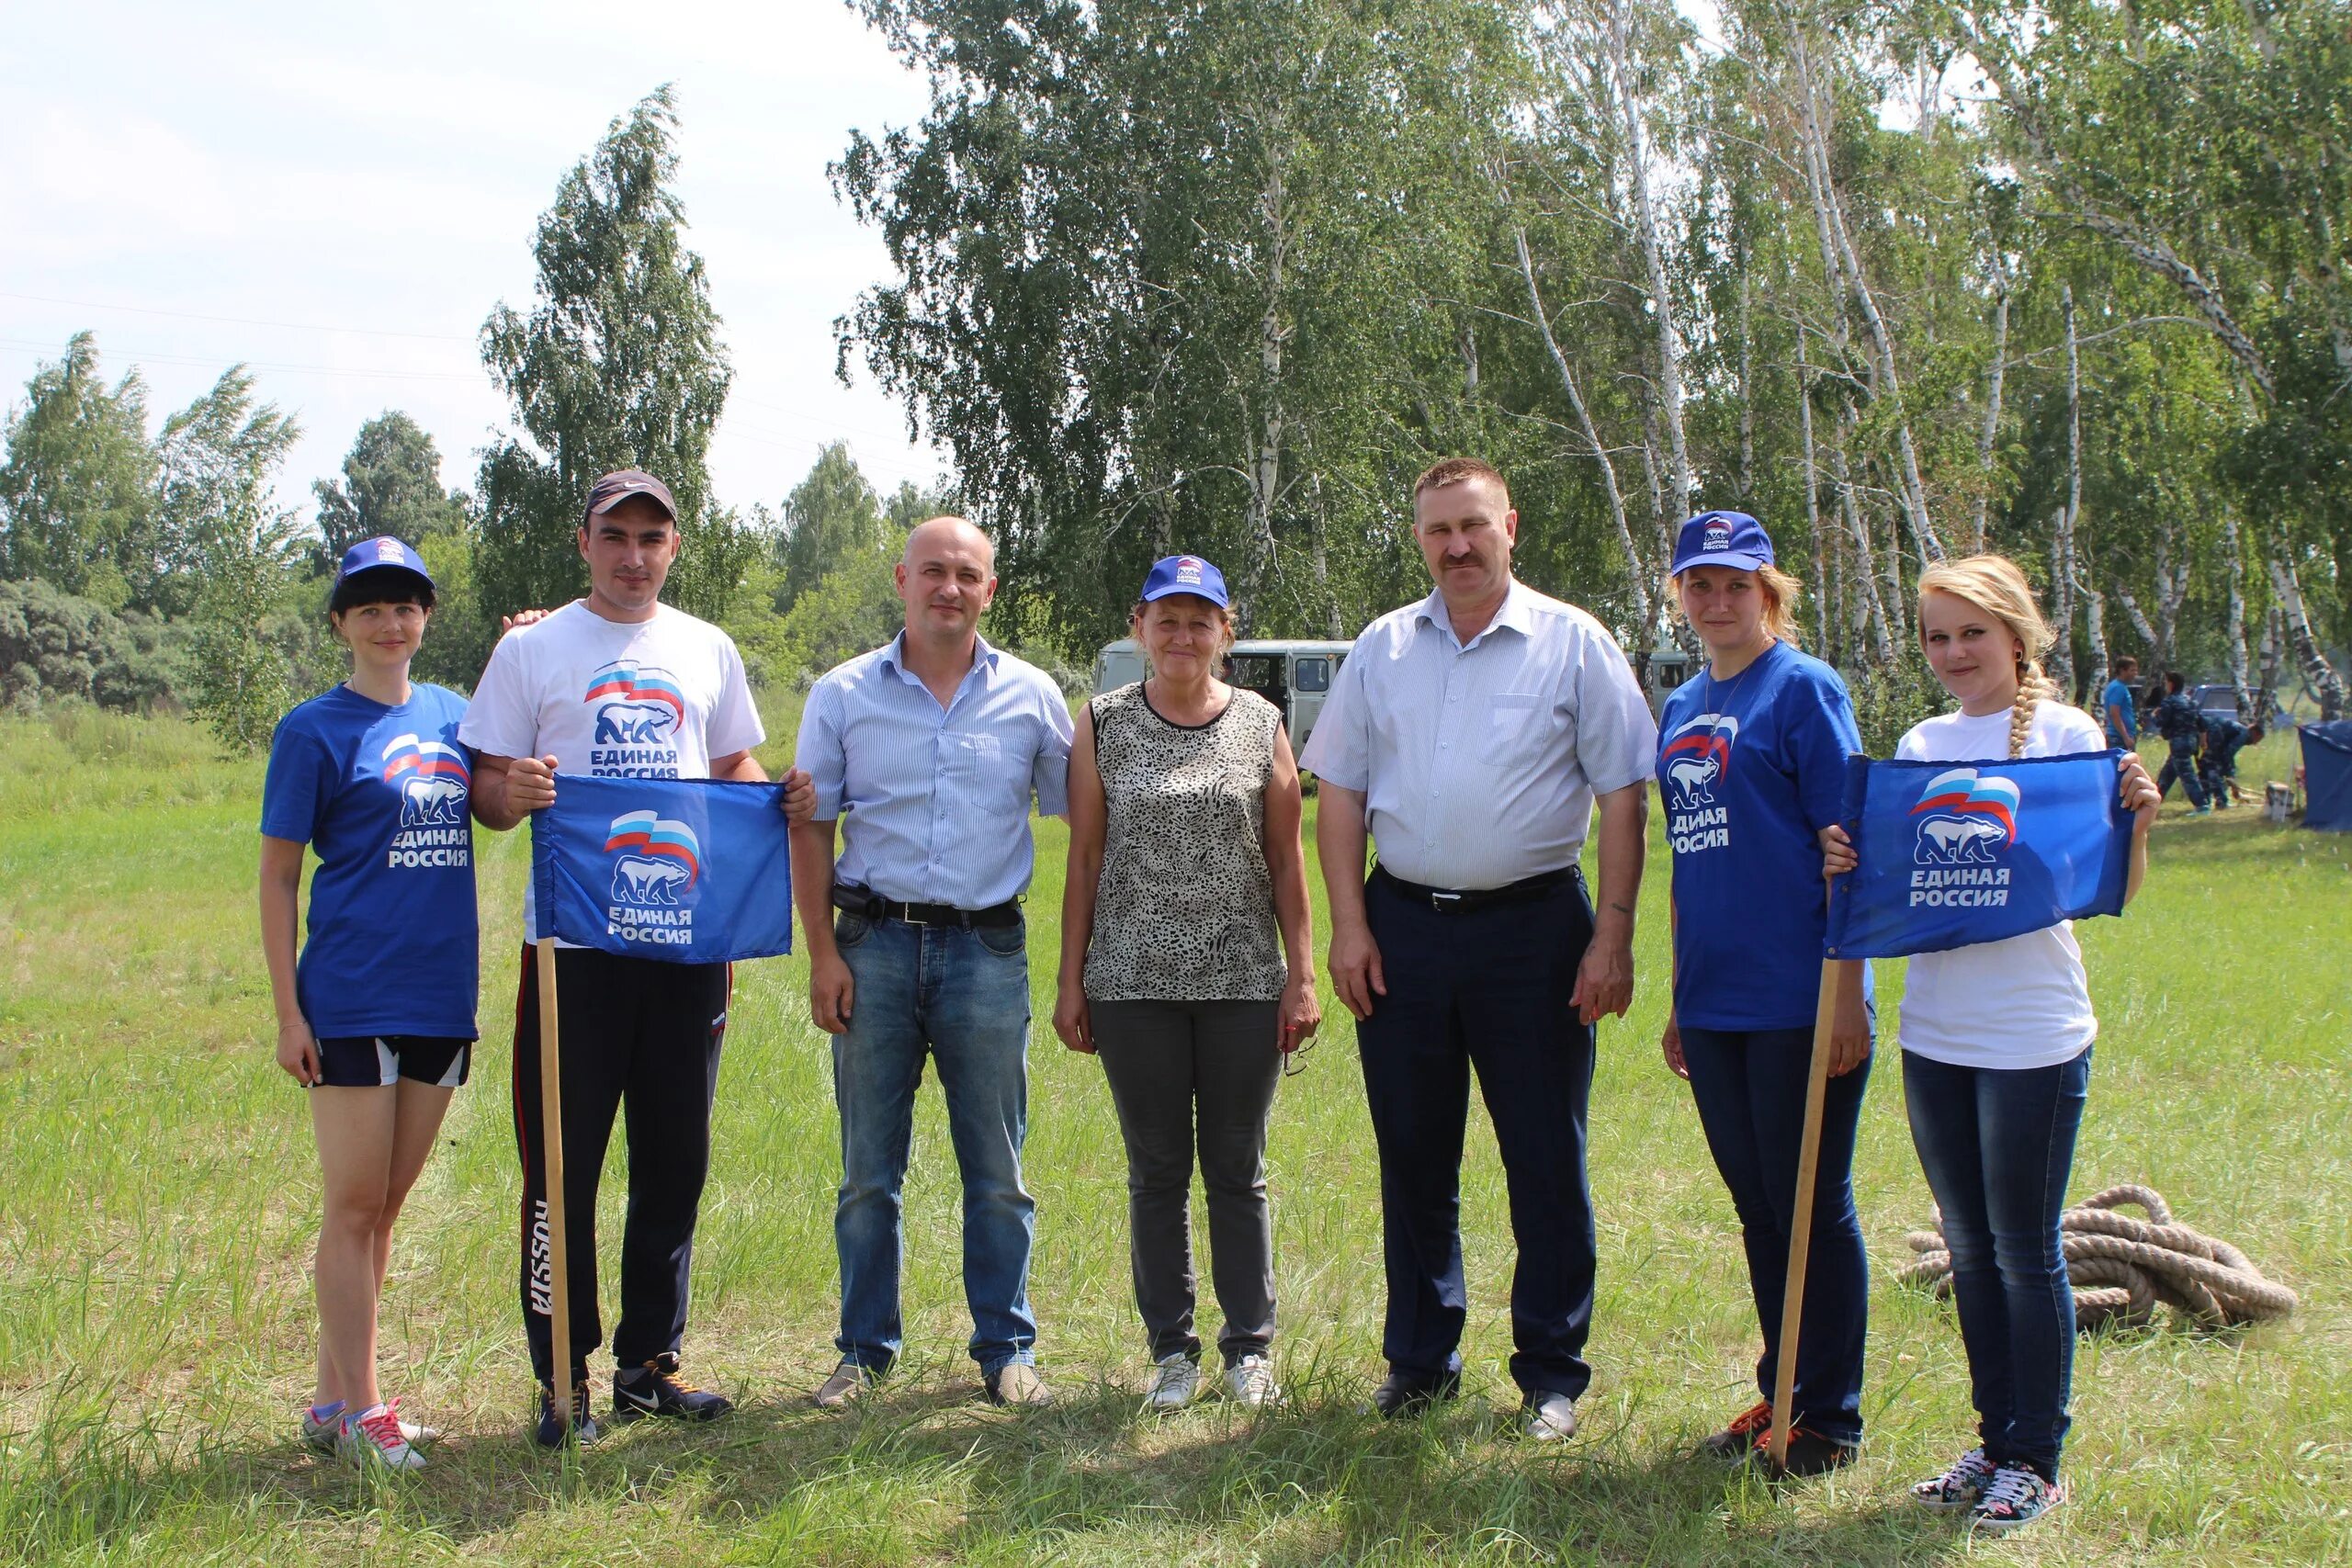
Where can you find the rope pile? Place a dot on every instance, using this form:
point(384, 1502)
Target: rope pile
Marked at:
point(2122, 1266)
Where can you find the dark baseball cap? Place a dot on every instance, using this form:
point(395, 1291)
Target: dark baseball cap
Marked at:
point(1184, 574)
point(622, 483)
point(1731, 539)
point(374, 555)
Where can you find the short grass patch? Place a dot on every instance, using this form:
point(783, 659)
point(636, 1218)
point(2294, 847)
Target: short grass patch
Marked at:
point(158, 1202)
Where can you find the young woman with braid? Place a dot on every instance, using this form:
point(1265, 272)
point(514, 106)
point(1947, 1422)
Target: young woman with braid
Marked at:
point(1996, 1059)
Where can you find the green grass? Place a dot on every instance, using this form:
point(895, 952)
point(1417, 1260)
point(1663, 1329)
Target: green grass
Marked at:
point(158, 1203)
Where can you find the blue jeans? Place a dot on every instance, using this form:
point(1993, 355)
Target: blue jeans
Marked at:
point(1998, 1146)
point(1749, 1085)
point(960, 997)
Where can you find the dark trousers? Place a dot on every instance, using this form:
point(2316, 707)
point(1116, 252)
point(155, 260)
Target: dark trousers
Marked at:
point(1487, 989)
point(2182, 765)
point(1749, 1086)
point(1169, 1062)
point(638, 1034)
point(1998, 1146)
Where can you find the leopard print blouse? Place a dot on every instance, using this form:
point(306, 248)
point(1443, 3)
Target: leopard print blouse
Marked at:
point(1184, 910)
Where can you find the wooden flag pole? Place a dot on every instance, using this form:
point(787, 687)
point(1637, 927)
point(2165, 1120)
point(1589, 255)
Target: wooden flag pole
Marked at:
point(551, 1139)
point(1835, 974)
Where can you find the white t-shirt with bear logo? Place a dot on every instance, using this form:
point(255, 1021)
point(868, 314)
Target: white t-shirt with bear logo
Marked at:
point(618, 699)
point(2023, 1002)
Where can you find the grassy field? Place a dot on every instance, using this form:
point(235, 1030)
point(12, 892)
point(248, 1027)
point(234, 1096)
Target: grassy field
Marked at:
point(158, 1205)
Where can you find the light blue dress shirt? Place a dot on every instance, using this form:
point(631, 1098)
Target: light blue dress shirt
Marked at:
point(1479, 762)
point(933, 802)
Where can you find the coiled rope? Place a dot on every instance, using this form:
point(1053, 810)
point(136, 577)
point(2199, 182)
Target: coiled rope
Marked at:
point(2122, 1266)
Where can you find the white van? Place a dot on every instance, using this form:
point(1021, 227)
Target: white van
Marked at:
point(1295, 676)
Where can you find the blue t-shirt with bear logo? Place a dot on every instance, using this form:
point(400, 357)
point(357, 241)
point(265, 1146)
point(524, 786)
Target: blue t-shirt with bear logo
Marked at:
point(381, 794)
point(1751, 769)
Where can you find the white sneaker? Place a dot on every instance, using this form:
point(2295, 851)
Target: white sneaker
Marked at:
point(322, 1431)
point(1549, 1417)
point(373, 1437)
point(1251, 1381)
point(1175, 1383)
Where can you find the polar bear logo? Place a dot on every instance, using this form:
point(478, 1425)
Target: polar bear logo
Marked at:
point(632, 724)
point(1958, 841)
point(1694, 779)
point(432, 801)
point(643, 879)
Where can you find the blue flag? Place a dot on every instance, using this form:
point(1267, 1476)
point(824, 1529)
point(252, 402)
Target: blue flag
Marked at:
point(1955, 854)
point(689, 871)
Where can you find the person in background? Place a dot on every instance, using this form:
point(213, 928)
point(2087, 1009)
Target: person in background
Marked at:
point(1470, 734)
point(1186, 886)
point(376, 1017)
point(927, 753)
point(2122, 715)
point(2217, 766)
point(1751, 767)
point(2177, 719)
point(1996, 1059)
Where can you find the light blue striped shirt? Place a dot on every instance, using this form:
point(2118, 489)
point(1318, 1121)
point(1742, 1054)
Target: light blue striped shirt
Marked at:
point(1478, 764)
point(933, 802)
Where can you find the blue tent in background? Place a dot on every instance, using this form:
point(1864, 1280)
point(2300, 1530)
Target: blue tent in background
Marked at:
point(2327, 776)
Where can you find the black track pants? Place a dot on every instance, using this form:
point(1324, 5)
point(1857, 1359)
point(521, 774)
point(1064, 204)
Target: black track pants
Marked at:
point(636, 1034)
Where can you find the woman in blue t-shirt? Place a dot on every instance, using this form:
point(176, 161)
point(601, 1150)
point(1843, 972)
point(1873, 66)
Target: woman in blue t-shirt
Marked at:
point(376, 1019)
point(1751, 765)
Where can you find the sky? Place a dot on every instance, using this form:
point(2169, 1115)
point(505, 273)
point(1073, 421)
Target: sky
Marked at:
point(337, 196)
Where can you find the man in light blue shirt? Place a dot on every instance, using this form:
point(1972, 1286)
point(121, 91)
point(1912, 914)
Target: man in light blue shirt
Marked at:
point(1472, 735)
point(926, 753)
point(2117, 707)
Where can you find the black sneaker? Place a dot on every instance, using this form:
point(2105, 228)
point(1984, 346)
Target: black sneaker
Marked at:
point(1809, 1452)
point(1403, 1395)
point(1736, 1444)
point(656, 1389)
point(553, 1429)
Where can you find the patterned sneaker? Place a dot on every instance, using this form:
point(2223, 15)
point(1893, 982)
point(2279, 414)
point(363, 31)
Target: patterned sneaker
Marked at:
point(656, 1389)
point(1958, 1487)
point(323, 1424)
point(1250, 1381)
point(373, 1437)
point(1736, 1441)
point(2015, 1496)
point(1175, 1383)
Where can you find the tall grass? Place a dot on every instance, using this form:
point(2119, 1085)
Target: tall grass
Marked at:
point(158, 1203)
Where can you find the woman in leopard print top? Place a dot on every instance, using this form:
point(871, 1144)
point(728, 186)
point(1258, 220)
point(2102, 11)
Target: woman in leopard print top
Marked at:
point(1187, 883)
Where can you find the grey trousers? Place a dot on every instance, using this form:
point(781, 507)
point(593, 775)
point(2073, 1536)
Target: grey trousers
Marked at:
point(1163, 1059)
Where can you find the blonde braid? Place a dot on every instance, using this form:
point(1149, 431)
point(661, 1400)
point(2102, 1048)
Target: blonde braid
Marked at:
point(2032, 686)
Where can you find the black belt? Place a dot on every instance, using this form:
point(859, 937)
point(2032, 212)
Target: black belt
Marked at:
point(866, 904)
point(1460, 901)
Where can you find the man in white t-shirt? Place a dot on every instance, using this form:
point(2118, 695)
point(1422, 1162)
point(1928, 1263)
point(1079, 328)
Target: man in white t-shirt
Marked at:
point(618, 684)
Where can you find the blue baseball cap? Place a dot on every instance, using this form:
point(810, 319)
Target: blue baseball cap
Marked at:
point(1722, 538)
point(383, 550)
point(1185, 574)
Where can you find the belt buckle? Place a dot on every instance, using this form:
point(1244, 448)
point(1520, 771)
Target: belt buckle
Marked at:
point(907, 913)
point(1444, 903)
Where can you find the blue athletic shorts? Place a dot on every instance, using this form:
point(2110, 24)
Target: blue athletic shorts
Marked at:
point(380, 1061)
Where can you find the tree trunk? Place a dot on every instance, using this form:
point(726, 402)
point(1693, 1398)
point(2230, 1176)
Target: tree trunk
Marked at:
point(2318, 674)
point(2095, 626)
point(1748, 396)
point(1988, 437)
point(1669, 356)
point(2148, 633)
point(1830, 215)
point(1821, 610)
point(2172, 588)
point(1265, 460)
point(2274, 643)
point(2062, 570)
point(1862, 579)
point(2239, 676)
point(1636, 574)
